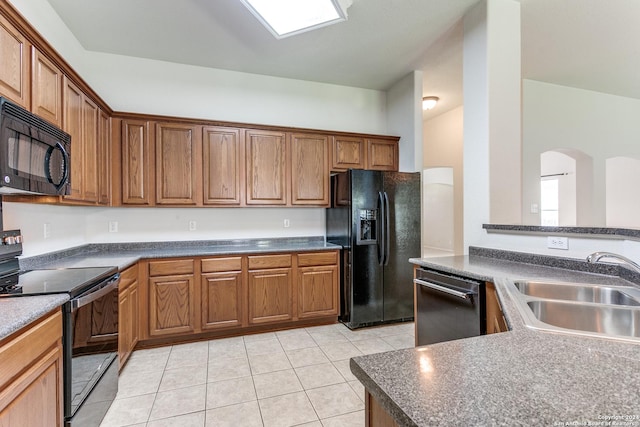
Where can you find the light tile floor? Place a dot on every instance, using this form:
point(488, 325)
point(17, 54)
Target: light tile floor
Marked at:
point(298, 377)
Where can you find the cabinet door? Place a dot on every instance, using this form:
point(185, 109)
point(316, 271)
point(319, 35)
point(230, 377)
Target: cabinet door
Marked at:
point(221, 300)
point(46, 88)
point(35, 398)
point(347, 153)
point(136, 167)
point(309, 169)
point(72, 124)
point(14, 66)
point(270, 293)
point(124, 320)
point(171, 305)
point(134, 329)
point(317, 291)
point(89, 142)
point(104, 158)
point(266, 168)
point(176, 160)
point(382, 155)
point(222, 166)
point(31, 375)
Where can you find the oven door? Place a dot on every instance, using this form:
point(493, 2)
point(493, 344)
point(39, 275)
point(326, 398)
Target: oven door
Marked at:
point(91, 350)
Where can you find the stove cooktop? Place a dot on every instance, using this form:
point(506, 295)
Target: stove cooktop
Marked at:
point(72, 281)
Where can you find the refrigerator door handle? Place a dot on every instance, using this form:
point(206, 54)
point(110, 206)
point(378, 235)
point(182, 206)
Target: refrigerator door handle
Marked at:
point(381, 236)
point(386, 230)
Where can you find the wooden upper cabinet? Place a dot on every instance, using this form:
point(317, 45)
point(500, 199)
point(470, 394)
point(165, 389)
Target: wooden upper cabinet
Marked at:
point(176, 164)
point(136, 166)
point(382, 154)
point(46, 88)
point(89, 182)
point(347, 153)
point(80, 120)
point(266, 167)
point(72, 124)
point(104, 158)
point(309, 169)
point(14, 64)
point(222, 165)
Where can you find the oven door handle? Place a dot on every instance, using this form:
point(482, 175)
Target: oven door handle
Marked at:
point(98, 292)
point(462, 295)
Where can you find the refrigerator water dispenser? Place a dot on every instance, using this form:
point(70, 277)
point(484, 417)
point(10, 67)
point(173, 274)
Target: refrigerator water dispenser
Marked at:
point(367, 227)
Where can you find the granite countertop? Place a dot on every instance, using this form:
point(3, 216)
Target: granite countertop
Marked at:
point(18, 312)
point(520, 377)
point(123, 255)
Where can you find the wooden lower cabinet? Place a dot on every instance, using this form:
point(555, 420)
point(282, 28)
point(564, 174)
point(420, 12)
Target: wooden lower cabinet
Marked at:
point(31, 375)
point(495, 317)
point(128, 314)
point(270, 295)
point(222, 293)
point(317, 284)
point(171, 298)
point(375, 415)
point(232, 294)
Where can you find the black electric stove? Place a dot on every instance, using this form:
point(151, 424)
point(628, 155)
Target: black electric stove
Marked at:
point(90, 327)
point(72, 281)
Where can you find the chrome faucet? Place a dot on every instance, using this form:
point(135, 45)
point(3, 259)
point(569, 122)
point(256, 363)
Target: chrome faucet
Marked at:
point(596, 256)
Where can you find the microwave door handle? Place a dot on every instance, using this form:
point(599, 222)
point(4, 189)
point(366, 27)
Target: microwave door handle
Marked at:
point(65, 173)
point(67, 165)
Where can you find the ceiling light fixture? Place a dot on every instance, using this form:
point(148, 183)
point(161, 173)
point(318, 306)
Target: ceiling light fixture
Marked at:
point(428, 102)
point(284, 18)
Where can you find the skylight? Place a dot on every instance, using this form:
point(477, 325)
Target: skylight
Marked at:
point(284, 18)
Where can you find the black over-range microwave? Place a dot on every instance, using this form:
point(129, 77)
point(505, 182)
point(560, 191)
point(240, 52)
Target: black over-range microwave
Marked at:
point(35, 156)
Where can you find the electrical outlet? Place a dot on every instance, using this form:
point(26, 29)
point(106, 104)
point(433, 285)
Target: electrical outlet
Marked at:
point(113, 226)
point(192, 226)
point(534, 208)
point(286, 223)
point(47, 230)
point(556, 242)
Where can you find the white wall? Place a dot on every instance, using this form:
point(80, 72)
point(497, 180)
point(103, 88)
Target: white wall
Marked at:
point(443, 147)
point(491, 88)
point(598, 124)
point(404, 101)
point(75, 226)
point(504, 104)
point(157, 87)
point(623, 191)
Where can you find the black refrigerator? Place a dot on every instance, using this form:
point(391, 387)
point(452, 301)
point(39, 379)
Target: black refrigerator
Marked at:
point(375, 217)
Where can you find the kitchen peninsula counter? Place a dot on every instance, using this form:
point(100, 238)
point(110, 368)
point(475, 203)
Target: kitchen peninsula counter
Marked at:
point(123, 255)
point(18, 312)
point(520, 377)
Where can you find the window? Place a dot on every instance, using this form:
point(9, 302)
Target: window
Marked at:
point(549, 202)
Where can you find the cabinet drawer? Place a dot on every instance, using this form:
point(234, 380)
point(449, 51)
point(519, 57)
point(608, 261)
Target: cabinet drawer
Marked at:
point(128, 276)
point(269, 261)
point(214, 265)
point(20, 352)
point(317, 258)
point(169, 268)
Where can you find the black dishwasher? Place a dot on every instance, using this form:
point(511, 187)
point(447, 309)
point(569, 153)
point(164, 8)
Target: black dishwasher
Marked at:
point(448, 307)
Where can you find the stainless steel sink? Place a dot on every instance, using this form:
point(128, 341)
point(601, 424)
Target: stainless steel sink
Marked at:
point(579, 308)
point(579, 292)
point(601, 319)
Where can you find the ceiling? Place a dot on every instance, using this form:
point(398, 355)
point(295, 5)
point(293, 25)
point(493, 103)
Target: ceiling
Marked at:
point(590, 44)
